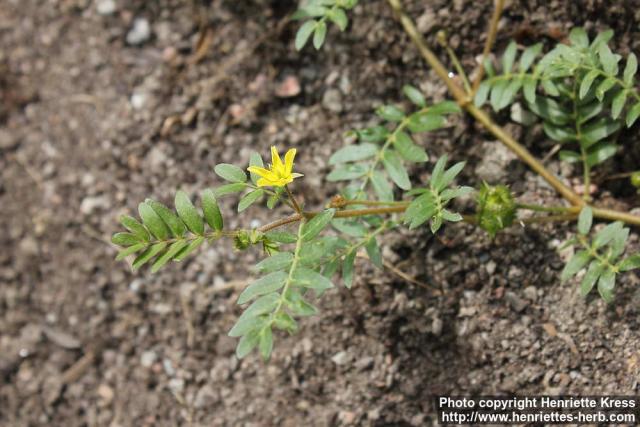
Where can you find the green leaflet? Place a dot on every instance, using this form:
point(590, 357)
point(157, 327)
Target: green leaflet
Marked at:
point(188, 213)
point(265, 285)
point(230, 173)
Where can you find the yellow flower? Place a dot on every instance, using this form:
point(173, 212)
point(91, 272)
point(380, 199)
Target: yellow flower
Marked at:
point(279, 174)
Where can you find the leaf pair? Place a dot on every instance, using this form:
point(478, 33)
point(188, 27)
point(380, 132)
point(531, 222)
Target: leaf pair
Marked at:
point(317, 13)
point(601, 256)
point(430, 203)
point(167, 235)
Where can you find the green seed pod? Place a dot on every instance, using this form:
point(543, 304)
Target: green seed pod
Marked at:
point(635, 179)
point(496, 208)
point(242, 240)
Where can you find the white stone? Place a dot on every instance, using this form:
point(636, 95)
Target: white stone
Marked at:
point(140, 32)
point(106, 7)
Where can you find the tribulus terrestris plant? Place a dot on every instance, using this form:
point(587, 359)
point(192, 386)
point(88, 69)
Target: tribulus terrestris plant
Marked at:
point(581, 91)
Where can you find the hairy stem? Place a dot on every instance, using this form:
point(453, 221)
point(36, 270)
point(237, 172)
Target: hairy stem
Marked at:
point(565, 214)
point(488, 44)
point(554, 209)
point(293, 200)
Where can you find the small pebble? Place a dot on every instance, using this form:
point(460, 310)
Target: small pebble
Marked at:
point(148, 358)
point(340, 358)
point(139, 33)
point(106, 7)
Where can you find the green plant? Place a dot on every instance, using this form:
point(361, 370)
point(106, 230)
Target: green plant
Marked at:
point(575, 90)
point(584, 93)
point(316, 13)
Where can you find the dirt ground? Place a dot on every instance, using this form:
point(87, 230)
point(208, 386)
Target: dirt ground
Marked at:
point(96, 113)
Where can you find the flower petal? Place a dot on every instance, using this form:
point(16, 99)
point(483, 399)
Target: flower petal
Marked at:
point(259, 171)
point(288, 160)
point(276, 161)
point(263, 182)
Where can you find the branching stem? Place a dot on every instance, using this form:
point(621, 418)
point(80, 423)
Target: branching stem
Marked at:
point(464, 101)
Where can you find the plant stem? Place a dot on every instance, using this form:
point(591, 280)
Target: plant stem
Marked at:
point(595, 254)
point(293, 200)
point(442, 39)
point(586, 169)
point(565, 214)
point(372, 203)
point(465, 102)
point(488, 44)
point(292, 269)
point(554, 209)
